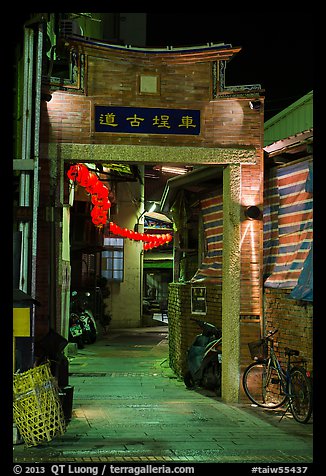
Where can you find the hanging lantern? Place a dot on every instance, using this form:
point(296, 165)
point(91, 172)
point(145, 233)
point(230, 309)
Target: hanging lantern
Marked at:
point(91, 180)
point(113, 227)
point(82, 171)
point(92, 183)
point(72, 173)
point(95, 212)
point(84, 176)
point(100, 190)
point(101, 201)
point(106, 205)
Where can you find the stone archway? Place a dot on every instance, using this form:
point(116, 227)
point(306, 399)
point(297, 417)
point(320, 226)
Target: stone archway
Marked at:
point(231, 159)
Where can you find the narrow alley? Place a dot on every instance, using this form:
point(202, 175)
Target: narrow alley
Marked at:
point(129, 406)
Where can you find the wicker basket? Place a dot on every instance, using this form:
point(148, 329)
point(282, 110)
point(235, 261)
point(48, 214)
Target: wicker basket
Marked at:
point(258, 349)
point(38, 412)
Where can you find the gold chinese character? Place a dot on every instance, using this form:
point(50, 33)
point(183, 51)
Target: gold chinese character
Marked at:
point(186, 121)
point(108, 119)
point(163, 121)
point(134, 121)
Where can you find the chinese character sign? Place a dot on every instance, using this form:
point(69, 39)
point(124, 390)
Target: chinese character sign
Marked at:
point(141, 120)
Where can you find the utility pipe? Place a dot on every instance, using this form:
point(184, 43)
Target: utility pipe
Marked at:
point(24, 196)
point(36, 186)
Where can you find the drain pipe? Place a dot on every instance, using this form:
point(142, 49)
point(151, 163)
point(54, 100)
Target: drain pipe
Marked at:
point(141, 254)
point(36, 185)
point(24, 196)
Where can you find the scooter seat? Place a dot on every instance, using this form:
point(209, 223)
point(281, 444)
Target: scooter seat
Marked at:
point(201, 341)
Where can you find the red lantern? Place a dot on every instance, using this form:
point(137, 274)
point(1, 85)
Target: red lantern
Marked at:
point(95, 212)
point(82, 171)
point(83, 176)
point(72, 172)
point(106, 205)
point(112, 227)
point(100, 190)
point(118, 230)
point(91, 180)
point(92, 183)
point(96, 221)
point(100, 201)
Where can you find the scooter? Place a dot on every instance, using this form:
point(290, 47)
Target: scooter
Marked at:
point(87, 320)
point(89, 325)
point(204, 359)
point(76, 330)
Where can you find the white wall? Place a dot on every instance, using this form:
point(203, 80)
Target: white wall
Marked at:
point(124, 302)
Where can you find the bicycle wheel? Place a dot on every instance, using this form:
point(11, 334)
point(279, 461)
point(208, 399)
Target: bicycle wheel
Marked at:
point(300, 395)
point(262, 385)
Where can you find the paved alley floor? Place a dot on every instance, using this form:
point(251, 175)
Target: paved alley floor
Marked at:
point(129, 406)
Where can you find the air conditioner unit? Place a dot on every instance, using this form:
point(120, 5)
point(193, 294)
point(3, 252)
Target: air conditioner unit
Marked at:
point(69, 27)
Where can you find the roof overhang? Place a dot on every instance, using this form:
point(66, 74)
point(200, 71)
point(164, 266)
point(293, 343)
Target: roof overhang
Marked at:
point(284, 145)
point(169, 54)
point(196, 176)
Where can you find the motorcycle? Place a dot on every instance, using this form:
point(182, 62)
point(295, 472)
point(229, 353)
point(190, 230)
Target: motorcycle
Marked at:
point(87, 320)
point(76, 330)
point(204, 359)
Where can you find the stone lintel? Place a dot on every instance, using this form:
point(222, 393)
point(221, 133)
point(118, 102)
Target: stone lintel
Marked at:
point(147, 154)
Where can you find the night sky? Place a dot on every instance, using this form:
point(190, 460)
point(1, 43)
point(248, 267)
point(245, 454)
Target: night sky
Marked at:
point(277, 48)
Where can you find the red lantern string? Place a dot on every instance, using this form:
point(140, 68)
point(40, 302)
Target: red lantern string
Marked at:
point(100, 199)
point(150, 241)
point(79, 173)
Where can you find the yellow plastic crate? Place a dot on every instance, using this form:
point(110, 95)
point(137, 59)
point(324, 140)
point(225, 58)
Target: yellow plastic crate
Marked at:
point(38, 412)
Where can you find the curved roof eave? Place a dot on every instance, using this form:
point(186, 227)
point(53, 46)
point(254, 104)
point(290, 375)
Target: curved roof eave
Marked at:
point(209, 51)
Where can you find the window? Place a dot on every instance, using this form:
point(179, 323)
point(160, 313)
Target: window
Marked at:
point(113, 259)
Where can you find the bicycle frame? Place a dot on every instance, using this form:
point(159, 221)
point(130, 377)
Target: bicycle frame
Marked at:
point(284, 377)
point(268, 384)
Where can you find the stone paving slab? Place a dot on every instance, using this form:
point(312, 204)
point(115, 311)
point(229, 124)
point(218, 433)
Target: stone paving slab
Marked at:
point(129, 406)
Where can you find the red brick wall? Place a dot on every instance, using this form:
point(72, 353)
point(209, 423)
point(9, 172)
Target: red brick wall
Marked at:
point(294, 321)
point(111, 77)
point(182, 331)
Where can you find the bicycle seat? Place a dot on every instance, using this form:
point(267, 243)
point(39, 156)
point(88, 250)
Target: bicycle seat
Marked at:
point(291, 352)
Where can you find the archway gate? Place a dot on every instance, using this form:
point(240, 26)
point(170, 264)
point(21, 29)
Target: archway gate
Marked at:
point(191, 118)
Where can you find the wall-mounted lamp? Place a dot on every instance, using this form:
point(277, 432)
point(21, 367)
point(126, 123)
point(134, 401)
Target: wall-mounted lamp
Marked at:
point(253, 213)
point(152, 208)
point(255, 105)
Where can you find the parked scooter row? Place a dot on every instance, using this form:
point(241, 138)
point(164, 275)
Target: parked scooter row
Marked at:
point(82, 324)
point(204, 358)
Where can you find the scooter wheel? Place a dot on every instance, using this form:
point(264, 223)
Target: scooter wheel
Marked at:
point(188, 380)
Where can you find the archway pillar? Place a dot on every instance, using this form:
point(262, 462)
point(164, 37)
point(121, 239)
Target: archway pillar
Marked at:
point(231, 284)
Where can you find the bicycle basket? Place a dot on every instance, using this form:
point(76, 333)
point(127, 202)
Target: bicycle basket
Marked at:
point(258, 349)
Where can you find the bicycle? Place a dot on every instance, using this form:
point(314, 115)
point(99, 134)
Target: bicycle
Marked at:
point(268, 385)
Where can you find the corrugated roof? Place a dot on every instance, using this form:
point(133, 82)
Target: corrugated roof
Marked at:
point(296, 118)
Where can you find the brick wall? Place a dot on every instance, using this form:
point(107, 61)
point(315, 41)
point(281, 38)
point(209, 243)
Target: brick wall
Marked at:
point(293, 319)
point(111, 77)
point(182, 330)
